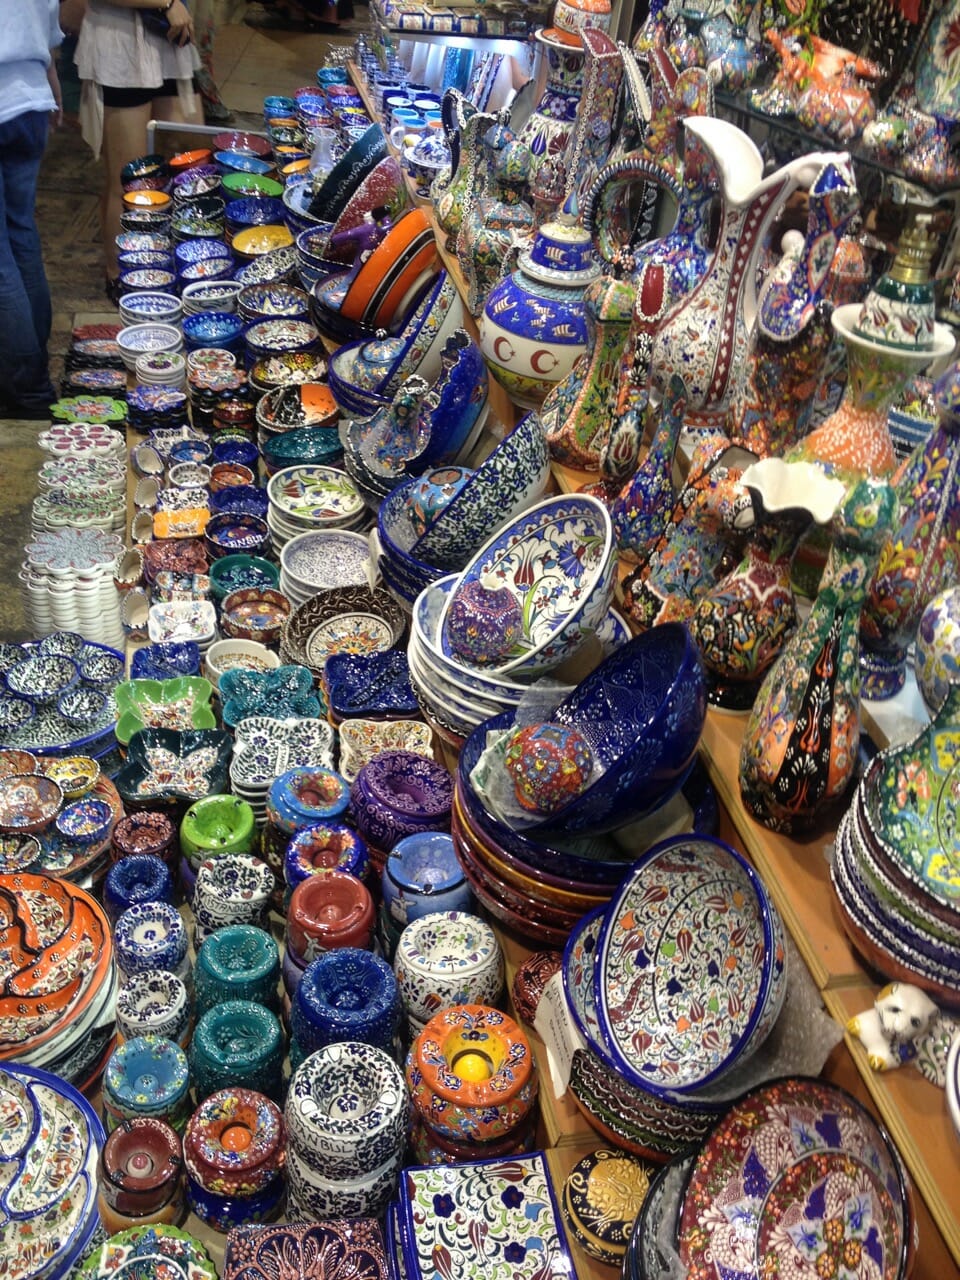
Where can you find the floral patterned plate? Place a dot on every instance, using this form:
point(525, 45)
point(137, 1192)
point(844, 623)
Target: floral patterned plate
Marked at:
point(797, 1179)
point(495, 1219)
point(689, 973)
point(311, 496)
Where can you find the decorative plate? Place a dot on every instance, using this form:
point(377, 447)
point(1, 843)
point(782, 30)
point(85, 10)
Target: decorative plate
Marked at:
point(338, 1249)
point(266, 746)
point(326, 558)
point(799, 1179)
point(313, 495)
point(689, 957)
point(167, 764)
point(282, 692)
point(579, 963)
point(495, 1218)
point(357, 620)
point(149, 1253)
point(371, 684)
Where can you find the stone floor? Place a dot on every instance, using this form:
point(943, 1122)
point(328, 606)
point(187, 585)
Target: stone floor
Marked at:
point(249, 64)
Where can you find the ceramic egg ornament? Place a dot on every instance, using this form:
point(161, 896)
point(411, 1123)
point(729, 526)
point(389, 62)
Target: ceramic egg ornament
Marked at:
point(549, 765)
point(484, 622)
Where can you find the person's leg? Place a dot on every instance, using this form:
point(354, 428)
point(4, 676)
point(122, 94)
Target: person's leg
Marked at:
point(24, 293)
point(170, 108)
point(124, 138)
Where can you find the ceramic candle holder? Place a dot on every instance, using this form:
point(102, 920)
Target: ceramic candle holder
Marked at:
point(239, 962)
point(233, 888)
point(302, 797)
point(398, 794)
point(138, 879)
point(347, 1110)
point(323, 847)
point(346, 994)
point(215, 825)
point(327, 912)
point(471, 1074)
point(155, 1002)
point(237, 1043)
point(141, 1167)
point(234, 1144)
point(151, 935)
point(147, 1076)
point(422, 876)
point(447, 958)
point(145, 832)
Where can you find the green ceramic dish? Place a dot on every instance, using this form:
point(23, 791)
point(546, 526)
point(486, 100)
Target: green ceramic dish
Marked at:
point(250, 184)
point(180, 703)
point(236, 572)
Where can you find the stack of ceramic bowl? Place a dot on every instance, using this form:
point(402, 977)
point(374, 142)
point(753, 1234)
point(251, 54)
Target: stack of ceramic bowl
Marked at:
point(309, 498)
point(347, 1115)
point(138, 339)
point(265, 746)
point(69, 1027)
point(895, 881)
point(322, 559)
point(357, 619)
point(210, 295)
point(150, 308)
point(183, 620)
point(49, 1218)
point(676, 1051)
point(162, 369)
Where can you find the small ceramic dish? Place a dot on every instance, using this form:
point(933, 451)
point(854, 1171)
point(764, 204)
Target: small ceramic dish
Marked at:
point(267, 746)
point(165, 661)
point(179, 703)
point(15, 713)
point(86, 821)
point(254, 613)
point(354, 620)
point(282, 692)
point(361, 740)
point(42, 679)
point(82, 706)
point(369, 684)
point(29, 802)
point(75, 775)
point(166, 764)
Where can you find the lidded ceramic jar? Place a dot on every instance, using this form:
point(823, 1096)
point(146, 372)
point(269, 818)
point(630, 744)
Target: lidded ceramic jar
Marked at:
point(471, 1074)
point(422, 875)
point(142, 877)
point(237, 1043)
point(238, 962)
point(154, 1002)
point(534, 323)
point(345, 995)
point(327, 912)
point(141, 1167)
point(447, 958)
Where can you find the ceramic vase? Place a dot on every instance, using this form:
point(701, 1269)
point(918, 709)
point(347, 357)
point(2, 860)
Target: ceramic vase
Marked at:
point(498, 219)
point(801, 745)
point(580, 412)
point(534, 324)
point(743, 623)
point(550, 125)
point(923, 555)
point(641, 511)
point(452, 199)
point(732, 59)
point(590, 142)
point(705, 338)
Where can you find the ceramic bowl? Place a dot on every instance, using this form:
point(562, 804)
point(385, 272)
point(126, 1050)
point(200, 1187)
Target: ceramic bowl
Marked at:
point(170, 766)
point(153, 1002)
point(446, 958)
point(29, 802)
point(347, 1111)
point(565, 548)
point(235, 572)
point(42, 679)
point(749, 978)
point(254, 613)
point(281, 692)
point(346, 619)
point(230, 533)
point(347, 994)
point(273, 301)
point(86, 821)
point(180, 703)
point(398, 794)
point(362, 685)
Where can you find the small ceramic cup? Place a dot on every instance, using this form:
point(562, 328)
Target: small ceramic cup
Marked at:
point(422, 875)
point(233, 888)
point(147, 1076)
point(234, 1144)
point(327, 912)
point(135, 880)
point(141, 1167)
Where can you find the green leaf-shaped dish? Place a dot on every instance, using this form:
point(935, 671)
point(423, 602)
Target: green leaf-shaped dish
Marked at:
point(180, 703)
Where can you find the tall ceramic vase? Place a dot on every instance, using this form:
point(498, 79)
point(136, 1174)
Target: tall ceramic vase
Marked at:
point(922, 557)
point(705, 338)
point(496, 220)
point(743, 623)
point(640, 513)
point(800, 748)
point(453, 199)
point(551, 124)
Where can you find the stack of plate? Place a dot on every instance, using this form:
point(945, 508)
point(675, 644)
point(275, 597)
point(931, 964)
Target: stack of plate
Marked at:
point(64, 1024)
point(162, 369)
point(306, 498)
point(183, 620)
point(210, 295)
point(894, 872)
point(83, 440)
point(265, 747)
point(139, 339)
point(322, 559)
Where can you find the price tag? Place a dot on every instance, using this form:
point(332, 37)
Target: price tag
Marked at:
point(555, 1026)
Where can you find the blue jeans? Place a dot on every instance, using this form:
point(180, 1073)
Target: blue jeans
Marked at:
point(25, 314)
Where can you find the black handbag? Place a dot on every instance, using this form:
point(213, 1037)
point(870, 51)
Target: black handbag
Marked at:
point(156, 22)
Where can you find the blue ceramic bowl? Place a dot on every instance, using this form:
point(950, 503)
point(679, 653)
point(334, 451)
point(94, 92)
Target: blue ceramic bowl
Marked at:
point(190, 451)
point(302, 446)
point(253, 211)
point(348, 173)
point(244, 451)
point(398, 536)
point(241, 162)
point(278, 105)
point(145, 259)
point(229, 533)
point(207, 270)
point(190, 251)
point(166, 661)
point(42, 678)
point(347, 994)
point(273, 301)
point(231, 573)
point(82, 706)
point(324, 846)
point(142, 877)
point(246, 499)
point(213, 329)
point(194, 764)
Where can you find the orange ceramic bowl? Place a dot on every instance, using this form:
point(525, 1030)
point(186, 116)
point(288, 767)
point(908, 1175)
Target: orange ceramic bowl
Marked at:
point(406, 252)
point(155, 200)
point(184, 160)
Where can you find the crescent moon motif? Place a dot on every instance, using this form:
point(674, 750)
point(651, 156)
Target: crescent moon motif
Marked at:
point(504, 359)
point(538, 367)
